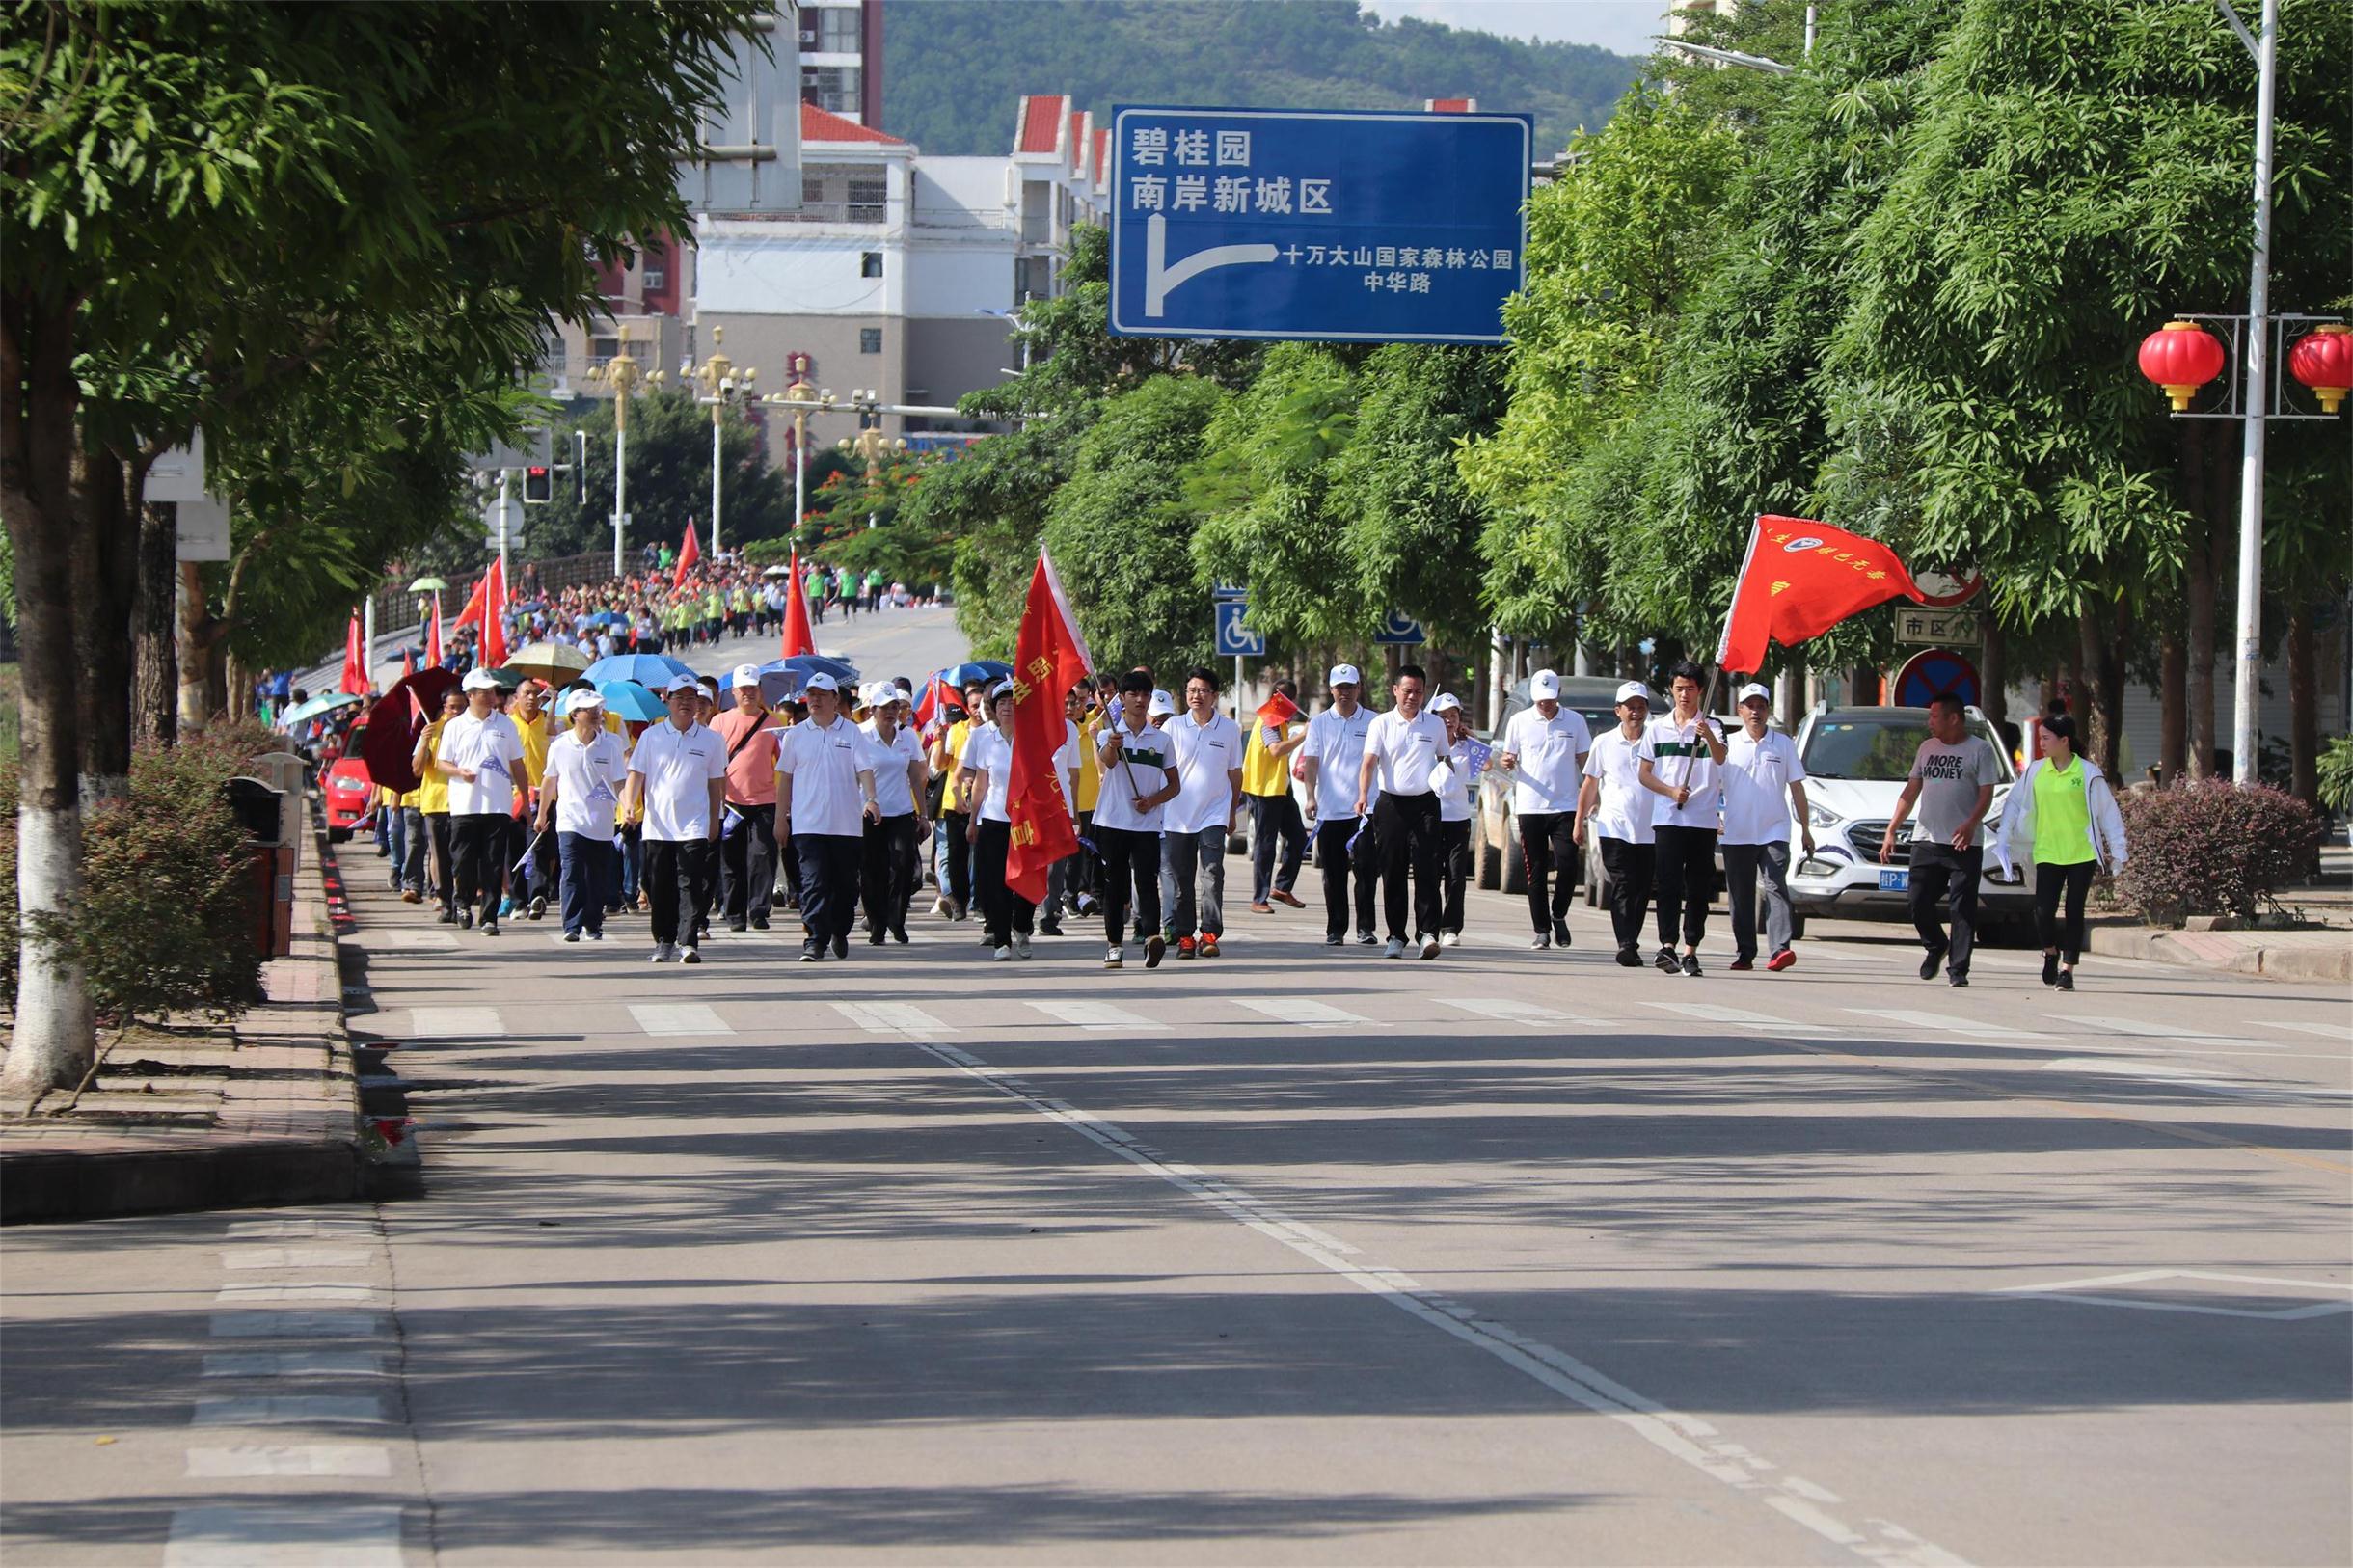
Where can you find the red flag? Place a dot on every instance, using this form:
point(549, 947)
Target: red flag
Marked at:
point(797, 638)
point(433, 642)
point(1273, 712)
point(472, 614)
point(493, 646)
point(355, 660)
point(1799, 579)
point(932, 708)
point(408, 665)
point(690, 550)
point(1049, 658)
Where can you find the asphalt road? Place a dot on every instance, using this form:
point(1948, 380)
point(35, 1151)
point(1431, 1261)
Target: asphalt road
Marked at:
point(1293, 1256)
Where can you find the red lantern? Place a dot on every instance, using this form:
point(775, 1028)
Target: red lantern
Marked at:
point(2324, 360)
point(2181, 356)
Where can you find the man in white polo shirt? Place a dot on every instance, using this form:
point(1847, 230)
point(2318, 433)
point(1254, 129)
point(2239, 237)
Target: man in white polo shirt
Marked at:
point(825, 790)
point(1763, 782)
point(1329, 761)
point(481, 756)
point(1405, 749)
point(1193, 828)
point(1613, 815)
point(580, 790)
point(1139, 781)
point(1543, 751)
point(1681, 753)
point(678, 777)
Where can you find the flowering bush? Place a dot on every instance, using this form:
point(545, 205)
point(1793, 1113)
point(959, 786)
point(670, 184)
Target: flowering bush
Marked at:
point(2214, 848)
point(167, 898)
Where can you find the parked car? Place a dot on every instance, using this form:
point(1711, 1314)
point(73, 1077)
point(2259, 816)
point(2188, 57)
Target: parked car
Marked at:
point(346, 788)
point(1856, 759)
point(1494, 839)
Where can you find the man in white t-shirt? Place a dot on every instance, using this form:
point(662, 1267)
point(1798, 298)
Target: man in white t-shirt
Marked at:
point(1329, 761)
point(1139, 779)
point(481, 756)
point(1543, 751)
point(825, 791)
point(1193, 826)
point(577, 794)
point(1406, 753)
point(1613, 811)
point(1763, 781)
point(889, 869)
point(678, 777)
point(1681, 753)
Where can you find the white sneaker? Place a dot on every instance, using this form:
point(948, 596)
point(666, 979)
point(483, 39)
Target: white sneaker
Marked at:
point(1449, 939)
point(1113, 958)
point(1429, 947)
point(1021, 944)
point(1395, 948)
point(939, 907)
point(1004, 954)
point(665, 953)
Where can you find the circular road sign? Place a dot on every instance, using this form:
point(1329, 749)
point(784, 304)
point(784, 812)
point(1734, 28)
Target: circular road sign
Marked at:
point(1933, 670)
point(1948, 590)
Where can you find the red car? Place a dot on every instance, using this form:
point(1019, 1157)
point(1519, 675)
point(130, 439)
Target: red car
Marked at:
point(347, 789)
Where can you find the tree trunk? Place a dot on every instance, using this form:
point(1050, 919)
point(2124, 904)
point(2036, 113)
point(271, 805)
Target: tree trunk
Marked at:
point(1994, 673)
point(2303, 705)
point(155, 704)
point(55, 1034)
point(2100, 634)
point(238, 695)
point(2173, 705)
point(201, 691)
point(105, 582)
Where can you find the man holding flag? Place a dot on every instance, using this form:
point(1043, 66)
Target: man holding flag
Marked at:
point(1049, 658)
point(1274, 815)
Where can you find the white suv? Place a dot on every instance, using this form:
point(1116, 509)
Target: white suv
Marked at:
point(1856, 759)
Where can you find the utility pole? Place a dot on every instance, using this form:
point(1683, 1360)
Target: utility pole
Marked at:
point(2247, 687)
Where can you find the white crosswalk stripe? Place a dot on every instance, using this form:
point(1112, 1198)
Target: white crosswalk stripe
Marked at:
point(1094, 1014)
point(670, 1018)
point(353, 1460)
point(1505, 1010)
point(288, 1410)
point(2326, 1031)
point(455, 1023)
point(1948, 1024)
point(902, 1020)
point(1299, 1010)
point(1742, 1018)
point(2132, 1027)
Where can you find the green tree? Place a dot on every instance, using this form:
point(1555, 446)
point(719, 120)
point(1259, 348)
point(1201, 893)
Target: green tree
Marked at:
point(669, 479)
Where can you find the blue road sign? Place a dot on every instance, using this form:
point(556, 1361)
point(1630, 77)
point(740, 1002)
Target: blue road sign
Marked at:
point(1235, 638)
point(1401, 628)
point(1388, 226)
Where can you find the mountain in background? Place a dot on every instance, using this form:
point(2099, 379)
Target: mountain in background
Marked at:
point(952, 69)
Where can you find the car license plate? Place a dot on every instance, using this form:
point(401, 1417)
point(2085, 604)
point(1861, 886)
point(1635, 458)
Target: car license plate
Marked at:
point(1895, 881)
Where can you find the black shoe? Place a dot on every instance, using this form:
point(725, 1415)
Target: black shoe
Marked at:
point(691, 954)
point(1366, 938)
point(809, 953)
point(445, 917)
point(739, 925)
point(1691, 965)
point(898, 933)
point(1959, 982)
point(1333, 939)
point(1929, 965)
point(1667, 963)
point(572, 936)
point(841, 947)
point(875, 937)
point(1154, 946)
point(1050, 927)
point(1561, 934)
point(2067, 980)
point(759, 922)
point(465, 919)
point(2050, 968)
point(490, 928)
point(1629, 957)
point(539, 906)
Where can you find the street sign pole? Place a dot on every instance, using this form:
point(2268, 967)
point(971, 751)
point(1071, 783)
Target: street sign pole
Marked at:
point(506, 478)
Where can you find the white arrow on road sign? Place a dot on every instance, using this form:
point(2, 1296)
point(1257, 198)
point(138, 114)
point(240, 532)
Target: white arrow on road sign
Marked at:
point(1161, 279)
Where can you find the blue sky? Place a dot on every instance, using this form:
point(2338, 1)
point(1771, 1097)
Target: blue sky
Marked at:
point(1625, 26)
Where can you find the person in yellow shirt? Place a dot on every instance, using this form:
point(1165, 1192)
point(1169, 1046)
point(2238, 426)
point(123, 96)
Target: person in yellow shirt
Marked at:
point(392, 831)
point(433, 802)
point(1274, 813)
point(955, 814)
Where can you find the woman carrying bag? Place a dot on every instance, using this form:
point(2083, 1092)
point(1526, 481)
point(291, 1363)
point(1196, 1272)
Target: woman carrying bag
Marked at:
point(2064, 818)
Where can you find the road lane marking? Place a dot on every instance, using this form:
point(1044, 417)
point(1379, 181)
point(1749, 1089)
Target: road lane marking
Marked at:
point(668, 1019)
point(1299, 1010)
point(259, 1257)
point(455, 1023)
point(901, 1020)
point(2174, 1031)
point(303, 1229)
point(2326, 1031)
point(2074, 1290)
point(288, 1410)
point(1950, 1023)
point(2192, 1078)
point(351, 1460)
point(1684, 1436)
point(294, 1363)
point(1505, 1010)
point(343, 1293)
point(284, 1535)
point(1742, 1018)
point(1095, 1015)
point(296, 1325)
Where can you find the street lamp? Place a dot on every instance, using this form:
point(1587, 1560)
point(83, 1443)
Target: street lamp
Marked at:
point(622, 375)
point(721, 376)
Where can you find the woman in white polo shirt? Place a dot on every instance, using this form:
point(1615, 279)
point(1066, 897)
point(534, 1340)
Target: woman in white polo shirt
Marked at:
point(985, 777)
point(585, 770)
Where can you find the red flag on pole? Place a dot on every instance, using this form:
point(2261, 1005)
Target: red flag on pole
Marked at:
point(355, 660)
point(1273, 712)
point(690, 550)
point(433, 639)
point(1799, 579)
point(494, 615)
point(1049, 658)
point(408, 664)
point(797, 638)
point(472, 614)
point(932, 708)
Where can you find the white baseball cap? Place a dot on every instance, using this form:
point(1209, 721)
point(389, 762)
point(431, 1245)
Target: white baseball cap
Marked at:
point(680, 682)
point(1753, 690)
point(1542, 686)
point(585, 697)
point(1161, 703)
point(1346, 675)
point(1003, 688)
point(744, 675)
point(901, 693)
point(478, 679)
point(822, 682)
point(1446, 702)
point(1631, 690)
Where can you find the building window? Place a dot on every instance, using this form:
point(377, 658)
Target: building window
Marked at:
point(837, 30)
point(601, 350)
point(870, 264)
point(655, 280)
point(870, 340)
point(831, 88)
point(866, 197)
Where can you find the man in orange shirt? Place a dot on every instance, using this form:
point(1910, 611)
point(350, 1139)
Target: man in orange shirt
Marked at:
point(747, 841)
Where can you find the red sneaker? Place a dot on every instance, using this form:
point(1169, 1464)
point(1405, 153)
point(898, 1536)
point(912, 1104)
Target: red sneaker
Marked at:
point(1208, 944)
point(1184, 947)
point(1783, 959)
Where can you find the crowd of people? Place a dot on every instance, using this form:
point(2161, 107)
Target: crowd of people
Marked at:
point(732, 806)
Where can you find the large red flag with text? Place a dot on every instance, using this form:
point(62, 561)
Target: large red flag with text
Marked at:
point(1049, 658)
point(690, 550)
point(355, 660)
point(1799, 579)
point(797, 638)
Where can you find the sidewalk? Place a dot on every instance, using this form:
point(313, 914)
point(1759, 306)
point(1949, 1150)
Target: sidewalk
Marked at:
point(261, 1110)
point(2303, 956)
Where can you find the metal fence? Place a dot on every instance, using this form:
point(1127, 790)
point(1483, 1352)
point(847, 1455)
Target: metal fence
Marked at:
point(396, 606)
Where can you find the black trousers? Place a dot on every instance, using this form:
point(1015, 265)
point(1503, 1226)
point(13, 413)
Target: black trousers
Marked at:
point(1131, 868)
point(1939, 874)
point(677, 879)
point(1333, 855)
point(1003, 912)
point(959, 858)
point(1273, 818)
point(2051, 881)
point(1407, 826)
point(1454, 868)
point(1548, 851)
point(888, 872)
point(829, 883)
point(477, 845)
point(445, 858)
point(1686, 872)
point(747, 863)
point(1630, 867)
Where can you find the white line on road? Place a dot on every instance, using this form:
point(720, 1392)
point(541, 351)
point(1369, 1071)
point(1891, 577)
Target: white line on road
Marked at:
point(1505, 1010)
point(253, 1258)
point(2192, 1078)
point(1686, 1438)
point(2326, 1031)
point(358, 1461)
point(284, 1535)
point(302, 1230)
point(1742, 1018)
point(1095, 1015)
point(2072, 1290)
point(455, 1023)
point(1949, 1023)
point(901, 1020)
point(296, 1325)
point(294, 1363)
point(678, 1019)
point(343, 1293)
point(1299, 1010)
point(288, 1410)
point(2173, 1031)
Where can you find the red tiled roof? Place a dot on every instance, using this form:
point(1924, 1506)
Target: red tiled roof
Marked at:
point(1102, 154)
point(1078, 139)
point(823, 125)
point(1040, 124)
point(1451, 106)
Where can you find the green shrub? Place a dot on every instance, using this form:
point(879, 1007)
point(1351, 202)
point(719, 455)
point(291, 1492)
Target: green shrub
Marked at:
point(2214, 848)
point(167, 908)
point(2336, 775)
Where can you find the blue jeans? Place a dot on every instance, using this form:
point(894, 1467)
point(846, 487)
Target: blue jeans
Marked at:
point(587, 870)
point(392, 838)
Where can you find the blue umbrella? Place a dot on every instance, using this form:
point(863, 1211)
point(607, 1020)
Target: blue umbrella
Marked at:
point(627, 699)
point(806, 665)
point(608, 617)
point(646, 669)
point(304, 713)
point(977, 669)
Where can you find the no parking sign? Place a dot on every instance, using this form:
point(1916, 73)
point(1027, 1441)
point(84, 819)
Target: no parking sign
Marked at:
point(1934, 670)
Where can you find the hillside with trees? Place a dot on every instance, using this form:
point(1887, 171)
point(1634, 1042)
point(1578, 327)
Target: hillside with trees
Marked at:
point(952, 69)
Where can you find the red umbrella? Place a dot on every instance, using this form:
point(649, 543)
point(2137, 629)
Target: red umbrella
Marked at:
point(398, 717)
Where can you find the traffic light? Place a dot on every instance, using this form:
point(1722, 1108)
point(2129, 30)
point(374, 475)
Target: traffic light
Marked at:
point(539, 485)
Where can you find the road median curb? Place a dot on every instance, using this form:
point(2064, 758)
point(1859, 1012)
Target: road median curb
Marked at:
point(2303, 957)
